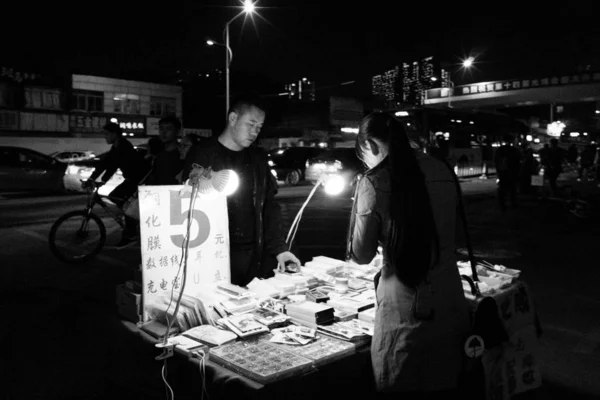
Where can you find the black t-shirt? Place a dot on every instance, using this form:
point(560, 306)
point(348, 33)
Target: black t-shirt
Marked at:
point(240, 204)
point(167, 165)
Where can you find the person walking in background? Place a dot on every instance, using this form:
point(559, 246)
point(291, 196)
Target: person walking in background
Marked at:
point(529, 168)
point(572, 154)
point(508, 166)
point(586, 161)
point(553, 166)
point(407, 203)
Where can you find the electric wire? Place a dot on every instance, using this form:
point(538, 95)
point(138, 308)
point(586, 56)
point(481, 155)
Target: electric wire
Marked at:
point(182, 262)
point(164, 377)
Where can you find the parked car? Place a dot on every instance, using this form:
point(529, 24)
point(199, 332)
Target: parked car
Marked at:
point(72, 156)
point(341, 161)
point(24, 169)
point(289, 162)
point(82, 170)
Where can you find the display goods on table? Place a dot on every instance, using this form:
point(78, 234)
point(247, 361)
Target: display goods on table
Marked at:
point(260, 361)
point(321, 351)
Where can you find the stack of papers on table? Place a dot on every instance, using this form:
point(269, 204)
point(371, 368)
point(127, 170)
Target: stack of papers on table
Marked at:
point(210, 335)
point(343, 331)
point(243, 325)
point(293, 335)
point(270, 318)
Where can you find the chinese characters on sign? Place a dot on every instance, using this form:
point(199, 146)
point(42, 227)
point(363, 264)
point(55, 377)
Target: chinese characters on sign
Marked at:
point(130, 125)
point(87, 123)
point(164, 213)
point(512, 366)
point(516, 84)
point(17, 76)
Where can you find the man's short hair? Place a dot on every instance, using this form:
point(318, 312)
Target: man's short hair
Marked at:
point(113, 128)
point(171, 119)
point(247, 101)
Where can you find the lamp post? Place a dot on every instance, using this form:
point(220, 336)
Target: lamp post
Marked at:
point(466, 64)
point(247, 10)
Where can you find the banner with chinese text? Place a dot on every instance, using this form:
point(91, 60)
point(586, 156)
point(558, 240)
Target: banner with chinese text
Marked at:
point(163, 227)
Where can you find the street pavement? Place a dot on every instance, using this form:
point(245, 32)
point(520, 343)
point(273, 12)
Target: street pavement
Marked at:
point(52, 310)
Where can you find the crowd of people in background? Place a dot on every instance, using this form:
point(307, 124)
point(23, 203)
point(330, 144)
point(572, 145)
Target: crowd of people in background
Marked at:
point(515, 167)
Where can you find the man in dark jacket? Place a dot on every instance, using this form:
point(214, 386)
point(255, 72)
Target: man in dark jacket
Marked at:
point(167, 164)
point(255, 226)
point(134, 168)
point(508, 163)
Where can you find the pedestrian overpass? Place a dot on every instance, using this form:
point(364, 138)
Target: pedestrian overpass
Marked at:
point(574, 88)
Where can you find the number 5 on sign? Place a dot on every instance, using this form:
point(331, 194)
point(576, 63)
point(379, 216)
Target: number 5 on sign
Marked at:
point(179, 218)
point(164, 212)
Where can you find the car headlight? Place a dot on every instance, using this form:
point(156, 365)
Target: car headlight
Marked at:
point(271, 163)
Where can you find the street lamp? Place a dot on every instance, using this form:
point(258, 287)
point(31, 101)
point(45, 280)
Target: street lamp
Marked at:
point(466, 64)
point(248, 8)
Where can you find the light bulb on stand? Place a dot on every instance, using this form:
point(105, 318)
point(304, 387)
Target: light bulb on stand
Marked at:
point(334, 185)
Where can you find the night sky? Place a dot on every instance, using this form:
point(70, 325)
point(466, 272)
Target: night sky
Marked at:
point(328, 43)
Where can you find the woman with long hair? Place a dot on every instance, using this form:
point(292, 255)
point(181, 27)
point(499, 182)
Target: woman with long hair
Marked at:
point(406, 203)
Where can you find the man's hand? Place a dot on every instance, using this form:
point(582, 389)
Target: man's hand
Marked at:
point(284, 257)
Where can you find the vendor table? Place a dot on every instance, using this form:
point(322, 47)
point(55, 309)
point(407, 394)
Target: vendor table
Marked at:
point(510, 361)
point(350, 376)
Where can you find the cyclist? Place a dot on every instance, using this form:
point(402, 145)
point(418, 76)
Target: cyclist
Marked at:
point(134, 167)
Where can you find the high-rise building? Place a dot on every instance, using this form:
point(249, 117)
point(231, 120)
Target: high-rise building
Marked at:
point(304, 89)
point(385, 86)
point(420, 76)
point(409, 84)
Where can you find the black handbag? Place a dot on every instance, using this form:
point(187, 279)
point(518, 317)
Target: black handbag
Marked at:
point(487, 330)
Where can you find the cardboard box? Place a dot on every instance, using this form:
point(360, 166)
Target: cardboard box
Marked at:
point(129, 303)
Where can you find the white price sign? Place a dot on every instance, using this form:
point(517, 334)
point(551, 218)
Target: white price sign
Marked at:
point(163, 227)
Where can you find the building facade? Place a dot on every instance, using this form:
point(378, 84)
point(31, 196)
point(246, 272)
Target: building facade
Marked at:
point(571, 101)
point(408, 83)
point(304, 89)
point(49, 118)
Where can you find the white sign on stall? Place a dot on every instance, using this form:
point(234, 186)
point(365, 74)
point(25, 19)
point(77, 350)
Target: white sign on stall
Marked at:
point(163, 226)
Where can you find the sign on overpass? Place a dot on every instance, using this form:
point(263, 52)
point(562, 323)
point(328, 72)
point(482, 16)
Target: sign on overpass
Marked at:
point(565, 88)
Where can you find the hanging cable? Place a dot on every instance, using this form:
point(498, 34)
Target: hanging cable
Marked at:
point(182, 262)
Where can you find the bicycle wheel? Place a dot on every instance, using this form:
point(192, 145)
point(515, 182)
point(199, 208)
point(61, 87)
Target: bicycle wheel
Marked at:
point(77, 237)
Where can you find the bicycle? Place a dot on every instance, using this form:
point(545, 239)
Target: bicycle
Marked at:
point(84, 222)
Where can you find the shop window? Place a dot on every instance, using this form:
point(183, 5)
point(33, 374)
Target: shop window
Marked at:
point(87, 100)
point(7, 96)
point(126, 104)
point(162, 106)
point(8, 119)
point(42, 98)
